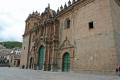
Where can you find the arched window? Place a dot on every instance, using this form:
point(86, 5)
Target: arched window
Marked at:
point(67, 23)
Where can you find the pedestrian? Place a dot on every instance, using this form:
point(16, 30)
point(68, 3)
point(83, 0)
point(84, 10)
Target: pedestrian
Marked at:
point(9, 66)
point(23, 66)
point(118, 71)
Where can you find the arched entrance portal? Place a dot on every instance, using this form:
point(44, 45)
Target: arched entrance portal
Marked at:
point(41, 57)
point(31, 63)
point(66, 62)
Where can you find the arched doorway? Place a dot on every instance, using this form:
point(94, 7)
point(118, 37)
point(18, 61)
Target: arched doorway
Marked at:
point(41, 58)
point(66, 62)
point(31, 62)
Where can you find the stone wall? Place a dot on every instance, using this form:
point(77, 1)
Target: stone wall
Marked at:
point(91, 49)
point(94, 48)
point(24, 53)
point(115, 13)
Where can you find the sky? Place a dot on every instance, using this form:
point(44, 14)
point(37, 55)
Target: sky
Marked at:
point(13, 14)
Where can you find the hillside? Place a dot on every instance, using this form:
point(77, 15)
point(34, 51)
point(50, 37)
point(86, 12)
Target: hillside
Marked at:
point(11, 44)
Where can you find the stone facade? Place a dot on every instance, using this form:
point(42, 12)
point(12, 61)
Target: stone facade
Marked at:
point(41, 31)
point(81, 36)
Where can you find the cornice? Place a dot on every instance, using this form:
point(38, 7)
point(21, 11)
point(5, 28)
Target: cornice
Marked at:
point(79, 3)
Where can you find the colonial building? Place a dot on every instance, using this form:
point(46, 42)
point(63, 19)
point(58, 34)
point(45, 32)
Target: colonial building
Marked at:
point(40, 40)
point(82, 35)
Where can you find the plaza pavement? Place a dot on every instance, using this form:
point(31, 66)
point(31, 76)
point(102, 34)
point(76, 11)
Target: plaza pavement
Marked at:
point(26, 74)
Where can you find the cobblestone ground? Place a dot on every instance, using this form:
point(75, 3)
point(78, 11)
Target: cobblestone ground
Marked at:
point(23, 74)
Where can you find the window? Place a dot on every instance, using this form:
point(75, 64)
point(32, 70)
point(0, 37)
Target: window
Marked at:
point(14, 62)
point(67, 23)
point(33, 38)
point(91, 25)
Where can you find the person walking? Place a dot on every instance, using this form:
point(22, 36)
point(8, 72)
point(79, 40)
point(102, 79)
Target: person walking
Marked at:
point(118, 71)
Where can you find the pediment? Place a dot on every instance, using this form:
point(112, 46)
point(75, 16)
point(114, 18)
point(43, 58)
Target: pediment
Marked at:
point(66, 44)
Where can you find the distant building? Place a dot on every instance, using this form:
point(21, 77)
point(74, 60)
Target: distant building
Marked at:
point(15, 57)
point(82, 36)
point(9, 57)
point(4, 56)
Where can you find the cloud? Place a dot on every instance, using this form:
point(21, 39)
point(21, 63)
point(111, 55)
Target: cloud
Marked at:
point(14, 12)
point(11, 27)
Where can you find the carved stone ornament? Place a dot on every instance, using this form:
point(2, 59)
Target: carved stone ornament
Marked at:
point(118, 2)
point(66, 44)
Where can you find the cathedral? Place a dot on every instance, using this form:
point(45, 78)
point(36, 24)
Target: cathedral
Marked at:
point(81, 36)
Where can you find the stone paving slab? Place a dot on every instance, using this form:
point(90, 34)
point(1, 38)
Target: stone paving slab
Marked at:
point(23, 74)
